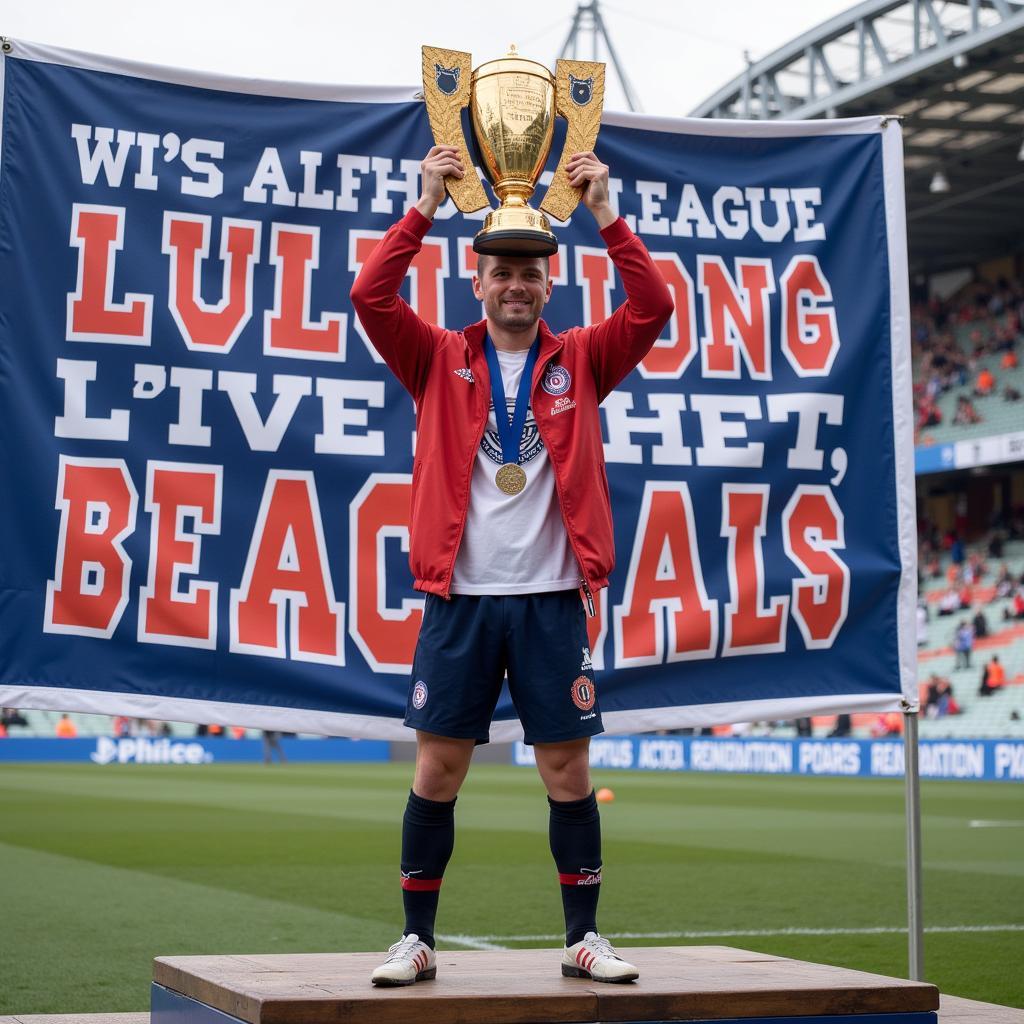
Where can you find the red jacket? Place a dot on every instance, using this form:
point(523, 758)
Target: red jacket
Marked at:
point(451, 404)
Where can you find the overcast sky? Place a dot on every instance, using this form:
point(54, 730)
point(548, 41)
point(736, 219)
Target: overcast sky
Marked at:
point(675, 53)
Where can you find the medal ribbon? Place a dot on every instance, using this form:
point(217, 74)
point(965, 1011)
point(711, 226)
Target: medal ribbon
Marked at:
point(510, 432)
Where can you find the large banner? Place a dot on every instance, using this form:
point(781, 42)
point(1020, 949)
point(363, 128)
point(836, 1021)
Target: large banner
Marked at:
point(206, 467)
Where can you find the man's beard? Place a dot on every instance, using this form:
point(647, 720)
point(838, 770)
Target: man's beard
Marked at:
point(514, 320)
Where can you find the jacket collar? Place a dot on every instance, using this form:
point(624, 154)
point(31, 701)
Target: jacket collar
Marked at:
point(550, 345)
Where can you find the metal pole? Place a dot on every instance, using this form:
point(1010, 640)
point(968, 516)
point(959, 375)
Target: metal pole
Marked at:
point(912, 799)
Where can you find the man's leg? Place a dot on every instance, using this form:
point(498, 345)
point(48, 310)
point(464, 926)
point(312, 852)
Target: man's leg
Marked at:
point(574, 831)
point(575, 835)
point(428, 828)
point(428, 838)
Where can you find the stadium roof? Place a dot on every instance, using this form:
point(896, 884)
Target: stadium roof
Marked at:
point(954, 71)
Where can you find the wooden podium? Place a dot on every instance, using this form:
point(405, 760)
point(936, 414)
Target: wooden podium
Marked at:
point(677, 983)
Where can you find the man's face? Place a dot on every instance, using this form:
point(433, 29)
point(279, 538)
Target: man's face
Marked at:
point(513, 290)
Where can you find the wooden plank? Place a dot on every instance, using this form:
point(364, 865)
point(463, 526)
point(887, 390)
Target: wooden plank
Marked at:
point(526, 986)
point(953, 1010)
point(77, 1018)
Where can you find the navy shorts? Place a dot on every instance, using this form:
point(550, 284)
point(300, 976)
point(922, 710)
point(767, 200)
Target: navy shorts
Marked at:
point(468, 643)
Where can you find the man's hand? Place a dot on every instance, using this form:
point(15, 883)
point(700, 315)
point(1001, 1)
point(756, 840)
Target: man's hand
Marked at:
point(436, 166)
point(587, 172)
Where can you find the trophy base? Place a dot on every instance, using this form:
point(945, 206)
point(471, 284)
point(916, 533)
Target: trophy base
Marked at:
point(515, 242)
point(515, 231)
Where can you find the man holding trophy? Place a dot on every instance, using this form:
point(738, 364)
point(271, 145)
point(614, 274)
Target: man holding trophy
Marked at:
point(511, 528)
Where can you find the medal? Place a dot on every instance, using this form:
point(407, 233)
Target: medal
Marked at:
point(511, 478)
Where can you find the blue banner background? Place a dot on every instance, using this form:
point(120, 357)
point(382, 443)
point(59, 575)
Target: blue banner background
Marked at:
point(39, 183)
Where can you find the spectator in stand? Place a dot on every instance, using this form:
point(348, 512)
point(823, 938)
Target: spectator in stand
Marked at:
point(985, 383)
point(843, 727)
point(1004, 583)
point(979, 570)
point(956, 550)
point(1011, 394)
point(1016, 610)
point(993, 676)
point(1009, 360)
point(963, 644)
point(922, 624)
point(889, 724)
point(949, 603)
point(980, 625)
point(65, 728)
point(939, 701)
point(12, 716)
point(966, 414)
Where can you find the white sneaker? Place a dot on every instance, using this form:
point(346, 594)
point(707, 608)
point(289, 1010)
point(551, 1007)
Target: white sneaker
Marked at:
point(596, 958)
point(409, 961)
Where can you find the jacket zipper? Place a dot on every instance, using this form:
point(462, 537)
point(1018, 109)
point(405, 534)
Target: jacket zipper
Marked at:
point(589, 596)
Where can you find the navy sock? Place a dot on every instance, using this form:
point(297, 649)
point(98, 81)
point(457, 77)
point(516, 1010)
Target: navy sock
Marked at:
point(428, 838)
point(575, 833)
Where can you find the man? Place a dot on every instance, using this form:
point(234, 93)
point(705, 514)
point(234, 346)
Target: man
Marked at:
point(510, 521)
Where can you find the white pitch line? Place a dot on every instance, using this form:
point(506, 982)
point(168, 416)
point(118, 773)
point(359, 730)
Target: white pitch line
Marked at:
point(472, 942)
point(488, 941)
point(995, 824)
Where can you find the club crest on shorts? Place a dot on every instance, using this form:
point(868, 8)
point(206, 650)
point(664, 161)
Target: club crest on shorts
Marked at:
point(583, 695)
point(581, 90)
point(556, 380)
point(447, 79)
point(419, 694)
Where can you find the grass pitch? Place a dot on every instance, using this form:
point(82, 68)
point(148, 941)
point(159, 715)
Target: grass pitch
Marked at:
point(104, 867)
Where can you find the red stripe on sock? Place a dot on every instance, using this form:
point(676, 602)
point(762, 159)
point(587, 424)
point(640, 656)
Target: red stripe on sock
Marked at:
point(421, 884)
point(565, 879)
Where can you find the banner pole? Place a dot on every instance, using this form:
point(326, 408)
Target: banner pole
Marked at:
point(912, 801)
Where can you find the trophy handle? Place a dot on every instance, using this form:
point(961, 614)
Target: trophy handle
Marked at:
point(447, 76)
point(579, 98)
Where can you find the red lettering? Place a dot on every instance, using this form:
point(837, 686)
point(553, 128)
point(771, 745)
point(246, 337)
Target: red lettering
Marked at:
point(93, 315)
point(174, 492)
point(670, 356)
point(810, 335)
point(210, 325)
point(595, 277)
point(89, 590)
point(812, 530)
point(386, 636)
point(665, 583)
point(288, 328)
point(750, 628)
point(736, 317)
point(287, 567)
point(427, 274)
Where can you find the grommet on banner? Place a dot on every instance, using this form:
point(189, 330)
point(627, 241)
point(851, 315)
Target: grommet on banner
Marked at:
point(5, 44)
point(884, 123)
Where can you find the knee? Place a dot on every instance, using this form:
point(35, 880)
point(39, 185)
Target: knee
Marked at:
point(440, 769)
point(566, 772)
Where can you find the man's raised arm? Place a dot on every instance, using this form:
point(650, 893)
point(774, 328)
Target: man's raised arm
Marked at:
point(405, 342)
point(617, 344)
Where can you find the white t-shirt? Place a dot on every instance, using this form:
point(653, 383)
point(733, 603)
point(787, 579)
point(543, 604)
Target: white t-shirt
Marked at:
point(514, 543)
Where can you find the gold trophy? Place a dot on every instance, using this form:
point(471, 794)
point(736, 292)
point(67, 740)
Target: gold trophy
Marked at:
point(513, 103)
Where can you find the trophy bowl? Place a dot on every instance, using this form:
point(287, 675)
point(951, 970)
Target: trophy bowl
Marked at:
point(513, 102)
point(512, 108)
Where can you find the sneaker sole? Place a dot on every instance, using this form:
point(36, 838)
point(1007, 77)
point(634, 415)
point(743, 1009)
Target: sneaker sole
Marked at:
point(569, 971)
point(428, 975)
